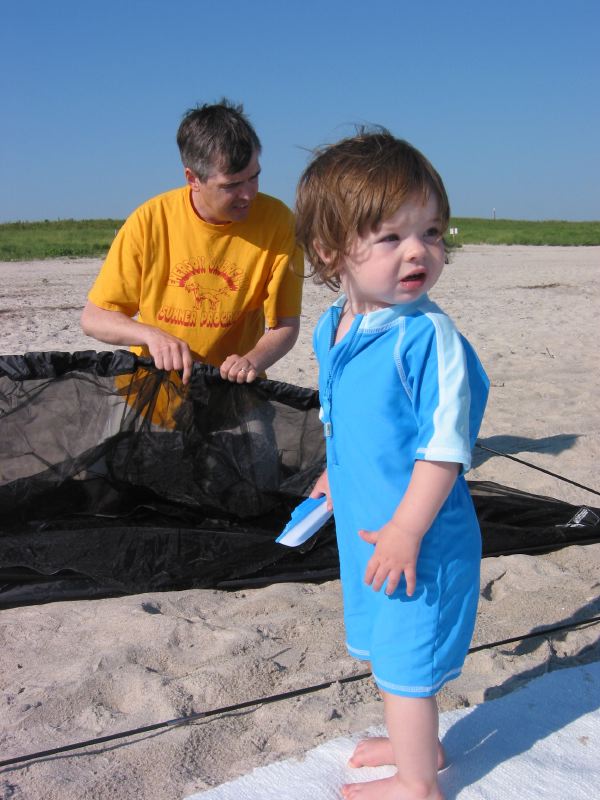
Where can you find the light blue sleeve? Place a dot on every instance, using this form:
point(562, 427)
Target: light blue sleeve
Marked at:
point(447, 385)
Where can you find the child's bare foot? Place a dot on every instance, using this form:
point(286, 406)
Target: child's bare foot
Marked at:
point(377, 752)
point(388, 789)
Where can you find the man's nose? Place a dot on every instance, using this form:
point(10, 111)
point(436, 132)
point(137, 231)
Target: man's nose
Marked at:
point(248, 190)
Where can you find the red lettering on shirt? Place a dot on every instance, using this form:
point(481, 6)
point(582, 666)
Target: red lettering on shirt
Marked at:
point(186, 317)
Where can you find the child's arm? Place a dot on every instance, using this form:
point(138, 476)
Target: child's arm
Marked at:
point(321, 488)
point(398, 542)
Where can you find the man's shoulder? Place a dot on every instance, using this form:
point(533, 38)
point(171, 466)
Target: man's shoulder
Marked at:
point(266, 206)
point(173, 199)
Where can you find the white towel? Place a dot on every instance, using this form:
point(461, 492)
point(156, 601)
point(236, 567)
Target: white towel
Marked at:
point(540, 741)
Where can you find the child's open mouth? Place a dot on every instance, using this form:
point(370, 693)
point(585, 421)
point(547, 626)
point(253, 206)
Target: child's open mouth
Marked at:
point(416, 278)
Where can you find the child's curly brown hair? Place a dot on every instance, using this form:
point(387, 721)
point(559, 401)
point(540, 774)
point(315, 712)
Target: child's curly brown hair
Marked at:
point(351, 187)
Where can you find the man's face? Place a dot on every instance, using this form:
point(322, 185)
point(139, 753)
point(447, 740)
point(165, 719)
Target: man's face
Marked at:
point(222, 197)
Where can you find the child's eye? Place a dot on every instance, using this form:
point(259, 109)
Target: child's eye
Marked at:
point(433, 234)
point(391, 237)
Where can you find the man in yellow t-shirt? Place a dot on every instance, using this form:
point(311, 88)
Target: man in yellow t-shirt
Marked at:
point(210, 271)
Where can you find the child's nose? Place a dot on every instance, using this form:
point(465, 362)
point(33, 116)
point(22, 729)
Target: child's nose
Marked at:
point(414, 248)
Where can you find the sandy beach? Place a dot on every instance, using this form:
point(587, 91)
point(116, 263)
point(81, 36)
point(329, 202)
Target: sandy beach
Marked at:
point(76, 670)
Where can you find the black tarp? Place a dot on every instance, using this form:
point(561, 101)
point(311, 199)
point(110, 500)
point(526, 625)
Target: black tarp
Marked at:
point(116, 479)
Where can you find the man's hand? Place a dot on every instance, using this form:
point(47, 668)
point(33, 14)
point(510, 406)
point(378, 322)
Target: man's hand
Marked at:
point(272, 345)
point(114, 327)
point(238, 369)
point(396, 553)
point(321, 488)
point(168, 351)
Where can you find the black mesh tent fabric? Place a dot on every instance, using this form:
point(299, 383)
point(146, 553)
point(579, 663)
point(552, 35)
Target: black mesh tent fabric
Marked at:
point(116, 479)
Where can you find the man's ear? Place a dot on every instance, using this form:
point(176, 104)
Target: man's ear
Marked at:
point(192, 179)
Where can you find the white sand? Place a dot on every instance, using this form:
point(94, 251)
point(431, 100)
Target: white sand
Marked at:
point(75, 670)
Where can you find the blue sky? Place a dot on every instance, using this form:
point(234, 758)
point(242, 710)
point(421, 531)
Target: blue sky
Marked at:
point(502, 97)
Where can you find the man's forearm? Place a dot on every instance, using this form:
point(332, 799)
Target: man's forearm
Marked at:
point(112, 327)
point(274, 343)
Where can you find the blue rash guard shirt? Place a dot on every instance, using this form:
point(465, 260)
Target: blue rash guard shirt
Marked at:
point(403, 384)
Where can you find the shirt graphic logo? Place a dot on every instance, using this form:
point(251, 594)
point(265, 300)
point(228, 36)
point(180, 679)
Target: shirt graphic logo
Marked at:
point(210, 285)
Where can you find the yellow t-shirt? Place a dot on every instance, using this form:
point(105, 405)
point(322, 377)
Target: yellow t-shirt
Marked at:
point(215, 286)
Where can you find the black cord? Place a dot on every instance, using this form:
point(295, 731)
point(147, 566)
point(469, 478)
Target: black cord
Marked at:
point(270, 699)
point(536, 634)
point(535, 466)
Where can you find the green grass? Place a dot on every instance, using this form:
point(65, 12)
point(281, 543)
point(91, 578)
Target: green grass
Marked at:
point(24, 241)
point(472, 230)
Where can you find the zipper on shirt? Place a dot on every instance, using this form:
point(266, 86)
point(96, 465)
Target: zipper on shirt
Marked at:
point(325, 406)
point(337, 367)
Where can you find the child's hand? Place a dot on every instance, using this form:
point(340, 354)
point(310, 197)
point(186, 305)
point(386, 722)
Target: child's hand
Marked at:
point(398, 542)
point(321, 488)
point(396, 553)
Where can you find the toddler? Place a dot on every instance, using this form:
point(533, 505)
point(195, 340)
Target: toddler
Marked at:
point(402, 396)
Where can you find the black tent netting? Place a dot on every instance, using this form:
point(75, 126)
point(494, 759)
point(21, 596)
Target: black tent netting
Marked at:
point(116, 479)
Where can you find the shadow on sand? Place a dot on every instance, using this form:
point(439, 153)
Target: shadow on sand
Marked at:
point(521, 715)
point(515, 445)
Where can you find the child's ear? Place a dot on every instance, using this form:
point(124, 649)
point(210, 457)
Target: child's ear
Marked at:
point(326, 254)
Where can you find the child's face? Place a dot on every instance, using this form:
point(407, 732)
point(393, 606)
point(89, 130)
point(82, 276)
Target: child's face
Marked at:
point(398, 262)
